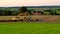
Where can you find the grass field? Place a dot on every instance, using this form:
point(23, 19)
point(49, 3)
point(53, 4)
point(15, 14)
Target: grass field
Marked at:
point(29, 28)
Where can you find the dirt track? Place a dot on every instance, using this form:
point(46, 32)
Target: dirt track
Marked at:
point(43, 18)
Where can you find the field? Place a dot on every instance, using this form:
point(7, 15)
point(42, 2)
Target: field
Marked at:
point(29, 28)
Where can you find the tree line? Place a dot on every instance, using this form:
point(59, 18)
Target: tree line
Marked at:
point(24, 9)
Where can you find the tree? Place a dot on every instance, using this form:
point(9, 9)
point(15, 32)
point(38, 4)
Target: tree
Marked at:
point(1, 12)
point(23, 9)
point(7, 12)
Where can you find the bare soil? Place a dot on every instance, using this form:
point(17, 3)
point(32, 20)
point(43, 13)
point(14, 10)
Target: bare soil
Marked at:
point(43, 18)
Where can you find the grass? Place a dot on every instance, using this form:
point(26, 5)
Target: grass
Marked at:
point(29, 28)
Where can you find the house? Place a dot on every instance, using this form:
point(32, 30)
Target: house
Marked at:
point(37, 13)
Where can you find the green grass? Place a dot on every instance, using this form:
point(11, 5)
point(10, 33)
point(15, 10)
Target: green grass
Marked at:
point(29, 28)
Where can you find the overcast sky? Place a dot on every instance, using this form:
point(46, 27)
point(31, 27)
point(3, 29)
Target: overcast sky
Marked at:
point(28, 2)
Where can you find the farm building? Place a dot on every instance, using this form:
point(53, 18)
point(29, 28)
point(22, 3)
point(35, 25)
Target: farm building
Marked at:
point(37, 13)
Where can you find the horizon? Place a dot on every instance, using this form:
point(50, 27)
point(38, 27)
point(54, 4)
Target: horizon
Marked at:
point(25, 6)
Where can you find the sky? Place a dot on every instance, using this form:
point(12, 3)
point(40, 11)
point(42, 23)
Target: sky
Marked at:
point(8, 3)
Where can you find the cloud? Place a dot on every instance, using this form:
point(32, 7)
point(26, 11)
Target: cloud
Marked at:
point(28, 2)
